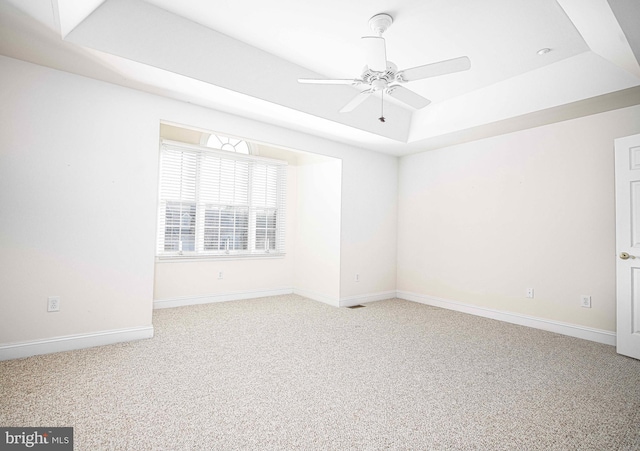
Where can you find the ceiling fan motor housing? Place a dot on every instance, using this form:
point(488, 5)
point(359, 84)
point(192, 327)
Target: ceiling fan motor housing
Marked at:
point(370, 77)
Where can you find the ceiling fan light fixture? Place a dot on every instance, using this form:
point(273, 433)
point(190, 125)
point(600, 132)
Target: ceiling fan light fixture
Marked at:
point(379, 84)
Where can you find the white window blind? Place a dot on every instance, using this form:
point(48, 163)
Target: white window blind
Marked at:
point(219, 203)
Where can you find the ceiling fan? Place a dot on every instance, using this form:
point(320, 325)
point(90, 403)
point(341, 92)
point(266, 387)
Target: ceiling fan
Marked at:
point(384, 76)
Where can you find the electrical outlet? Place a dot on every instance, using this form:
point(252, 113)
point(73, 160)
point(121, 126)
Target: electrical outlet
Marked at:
point(53, 304)
point(220, 275)
point(585, 301)
point(357, 277)
point(530, 293)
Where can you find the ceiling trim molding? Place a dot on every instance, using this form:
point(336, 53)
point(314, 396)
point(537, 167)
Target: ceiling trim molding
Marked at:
point(587, 107)
point(600, 29)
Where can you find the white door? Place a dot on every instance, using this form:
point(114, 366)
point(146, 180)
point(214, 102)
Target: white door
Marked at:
point(628, 245)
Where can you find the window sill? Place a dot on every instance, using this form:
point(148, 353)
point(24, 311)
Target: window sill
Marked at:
point(201, 258)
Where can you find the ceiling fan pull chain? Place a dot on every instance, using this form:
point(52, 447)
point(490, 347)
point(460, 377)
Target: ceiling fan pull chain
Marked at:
point(381, 118)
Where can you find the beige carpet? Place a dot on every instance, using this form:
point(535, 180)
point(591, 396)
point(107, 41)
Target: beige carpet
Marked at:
point(289, 373)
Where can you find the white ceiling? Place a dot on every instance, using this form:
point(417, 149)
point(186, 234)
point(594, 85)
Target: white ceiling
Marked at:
point(245, 56)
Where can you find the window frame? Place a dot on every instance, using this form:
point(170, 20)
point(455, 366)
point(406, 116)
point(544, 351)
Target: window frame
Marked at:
point(202, 206)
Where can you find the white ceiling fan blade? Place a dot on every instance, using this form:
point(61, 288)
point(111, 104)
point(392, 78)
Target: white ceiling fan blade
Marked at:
point(407, 96)
point(314, 81)
point(356, 101)
point(375, 53)
point(435, 69)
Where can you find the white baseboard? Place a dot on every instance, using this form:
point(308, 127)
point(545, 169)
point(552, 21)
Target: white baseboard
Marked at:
point(81, 341)
point(72, 342)
point(572, 330)
point(224, 297)
point(317, 297)
point(350, 301)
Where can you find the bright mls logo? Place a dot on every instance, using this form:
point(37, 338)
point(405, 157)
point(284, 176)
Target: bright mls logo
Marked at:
point(59, 439)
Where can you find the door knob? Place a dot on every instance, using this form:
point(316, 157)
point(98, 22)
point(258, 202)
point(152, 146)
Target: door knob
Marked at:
point(625, 256)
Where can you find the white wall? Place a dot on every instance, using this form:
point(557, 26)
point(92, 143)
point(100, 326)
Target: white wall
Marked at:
point(482, 221)
point(78, 171)
point(317, 238)
point(369, 229)
point(78, 179)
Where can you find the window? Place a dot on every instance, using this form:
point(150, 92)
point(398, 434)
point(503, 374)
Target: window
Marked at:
point(216, 202)
point(225, 143)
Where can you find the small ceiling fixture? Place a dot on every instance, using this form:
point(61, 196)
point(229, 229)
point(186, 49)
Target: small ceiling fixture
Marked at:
point(380, 75)
point(543, 51)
